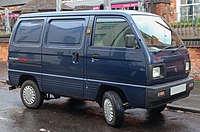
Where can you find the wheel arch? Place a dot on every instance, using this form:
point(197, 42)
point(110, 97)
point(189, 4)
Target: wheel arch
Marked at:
point(104, 88)
point(25, 77)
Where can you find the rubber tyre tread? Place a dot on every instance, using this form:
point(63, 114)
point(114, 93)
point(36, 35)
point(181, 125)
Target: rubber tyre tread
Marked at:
point(39, 96)
point(118, 108)
point(157, 109)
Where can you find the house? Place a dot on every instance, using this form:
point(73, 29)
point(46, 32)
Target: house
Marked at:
point(40, 6)
point(29, 6)
point(12, 4)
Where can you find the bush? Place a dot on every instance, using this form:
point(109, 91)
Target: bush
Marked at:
point(4, 34)
point(186, 23)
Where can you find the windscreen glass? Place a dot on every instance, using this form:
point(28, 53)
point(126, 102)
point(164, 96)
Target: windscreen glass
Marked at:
point(157, 33)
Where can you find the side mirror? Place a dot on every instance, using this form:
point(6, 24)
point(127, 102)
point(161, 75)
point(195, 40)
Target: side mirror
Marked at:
point(131, 41)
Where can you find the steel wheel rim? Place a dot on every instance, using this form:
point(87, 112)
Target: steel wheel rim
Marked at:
point(108, 110)
point(29, 95)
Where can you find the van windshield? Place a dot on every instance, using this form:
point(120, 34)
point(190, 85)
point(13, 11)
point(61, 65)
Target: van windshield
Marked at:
point(156, 33)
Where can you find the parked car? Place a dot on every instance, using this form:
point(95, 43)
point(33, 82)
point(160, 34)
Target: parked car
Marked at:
point(120, 59)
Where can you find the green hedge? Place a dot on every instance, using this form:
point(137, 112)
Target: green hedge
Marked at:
point(178, 25)
point(4, 34)
point(187, 23)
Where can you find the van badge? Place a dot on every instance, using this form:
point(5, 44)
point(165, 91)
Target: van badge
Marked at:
point(176, 69)
point(18, 59)
point(157, 60)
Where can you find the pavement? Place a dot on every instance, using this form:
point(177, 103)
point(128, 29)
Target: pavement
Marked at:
point(3, 72)
point(189, 104)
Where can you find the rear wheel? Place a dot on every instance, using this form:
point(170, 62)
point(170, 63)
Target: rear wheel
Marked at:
point(157, 109)
point(30, 95)
point(113, 109)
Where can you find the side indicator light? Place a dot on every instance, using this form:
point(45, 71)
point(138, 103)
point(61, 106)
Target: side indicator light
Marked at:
point(88, 31)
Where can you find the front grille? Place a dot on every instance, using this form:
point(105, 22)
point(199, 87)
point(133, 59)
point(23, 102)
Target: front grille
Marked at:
point(174, 69)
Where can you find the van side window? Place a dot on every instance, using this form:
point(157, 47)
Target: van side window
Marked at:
point(65, 32)
point(29, 31)
point(111, 32)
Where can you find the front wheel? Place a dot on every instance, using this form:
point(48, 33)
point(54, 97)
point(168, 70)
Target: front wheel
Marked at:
point(30, 95)
point(113, 109)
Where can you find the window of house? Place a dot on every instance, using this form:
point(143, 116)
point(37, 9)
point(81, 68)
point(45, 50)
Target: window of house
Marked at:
point(65, 32)
point(29, 31)
point(189, 9)
point(111, 32)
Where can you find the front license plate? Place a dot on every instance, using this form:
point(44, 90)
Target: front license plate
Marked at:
point(178, 89)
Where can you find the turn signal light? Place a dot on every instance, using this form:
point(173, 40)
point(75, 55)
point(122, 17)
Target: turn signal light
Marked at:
point(191, 85)
point(162, 93)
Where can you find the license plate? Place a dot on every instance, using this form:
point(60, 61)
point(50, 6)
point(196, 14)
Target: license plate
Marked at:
point(178, 89)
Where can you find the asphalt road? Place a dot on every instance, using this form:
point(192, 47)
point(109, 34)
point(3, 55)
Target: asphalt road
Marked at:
point(67, 115)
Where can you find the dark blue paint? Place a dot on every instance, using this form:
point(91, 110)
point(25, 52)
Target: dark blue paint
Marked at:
point(52, 61)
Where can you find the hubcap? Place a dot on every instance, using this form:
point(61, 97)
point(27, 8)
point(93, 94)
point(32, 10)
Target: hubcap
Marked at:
point(29, 95)
point(108, 110)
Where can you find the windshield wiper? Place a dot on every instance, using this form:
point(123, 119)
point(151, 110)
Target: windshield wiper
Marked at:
point(170, 47)
point(163, 25)
point(178, 47)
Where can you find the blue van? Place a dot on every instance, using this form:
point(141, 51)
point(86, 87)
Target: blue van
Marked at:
point(120, 59)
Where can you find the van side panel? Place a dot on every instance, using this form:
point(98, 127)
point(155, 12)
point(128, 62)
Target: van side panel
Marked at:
point(25, 50)
point(122, 73)
point(63, 56)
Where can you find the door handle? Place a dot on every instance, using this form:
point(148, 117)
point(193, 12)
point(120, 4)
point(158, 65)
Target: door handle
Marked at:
point(95, 57)
point(75, 57)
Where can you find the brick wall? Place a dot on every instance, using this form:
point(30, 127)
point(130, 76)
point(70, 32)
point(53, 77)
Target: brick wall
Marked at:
point(173, 10)
point(162, 9)
point(195, 62)
point(3, 51)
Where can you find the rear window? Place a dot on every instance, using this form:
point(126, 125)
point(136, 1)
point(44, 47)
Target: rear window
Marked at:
point(29, 31)
point(65, 32)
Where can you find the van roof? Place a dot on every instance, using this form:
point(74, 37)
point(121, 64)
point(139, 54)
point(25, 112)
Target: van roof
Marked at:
point(88, 12)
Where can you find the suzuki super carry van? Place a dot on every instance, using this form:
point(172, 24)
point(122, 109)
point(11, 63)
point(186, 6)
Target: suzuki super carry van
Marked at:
point(120, 59)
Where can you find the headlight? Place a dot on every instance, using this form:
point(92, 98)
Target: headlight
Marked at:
point(156, 72)
point(187, 66)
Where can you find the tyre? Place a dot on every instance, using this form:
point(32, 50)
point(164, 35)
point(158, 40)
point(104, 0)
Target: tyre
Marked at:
point(113, 109)
point(30, 95)
point(157, 109)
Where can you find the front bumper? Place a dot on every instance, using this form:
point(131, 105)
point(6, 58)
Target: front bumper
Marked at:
point(154, 100)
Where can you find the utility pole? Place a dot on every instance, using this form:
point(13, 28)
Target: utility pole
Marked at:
point(107, 5)
point(152, 6)
point(58, 5)
point(140, 5)
point(7, 23)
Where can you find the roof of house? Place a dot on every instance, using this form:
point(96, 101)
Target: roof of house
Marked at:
point(12, 2)
point(40, 6)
